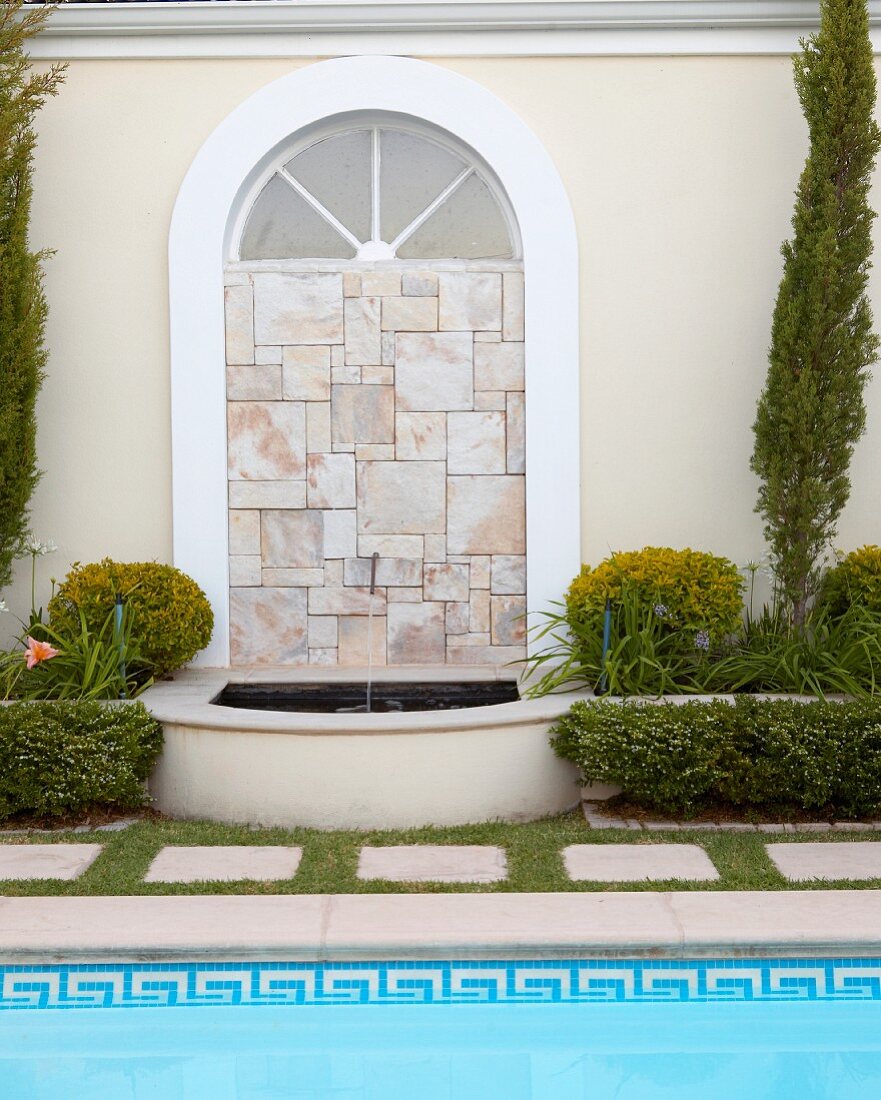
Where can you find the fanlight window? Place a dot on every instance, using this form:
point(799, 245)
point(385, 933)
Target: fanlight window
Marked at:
point(377, 194)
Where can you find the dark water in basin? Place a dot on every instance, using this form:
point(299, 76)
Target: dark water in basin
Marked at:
point(350, 698)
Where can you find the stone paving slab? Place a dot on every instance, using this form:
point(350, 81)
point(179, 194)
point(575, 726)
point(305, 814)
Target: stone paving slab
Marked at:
point(433, 863)
point(56, 861)
point(859, 859)
point(219, 863)
point(638, 863)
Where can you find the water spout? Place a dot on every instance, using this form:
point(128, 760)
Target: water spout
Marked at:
point(373, 563)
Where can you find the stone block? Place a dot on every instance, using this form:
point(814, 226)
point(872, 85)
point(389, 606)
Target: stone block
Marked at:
point(351, 284)
point(470, 300)
point(416, 634)
point(498, 655)
point(292, 539)
point(401, 498)
point(380, 283)
point(374, 452)
point(404, 595)
point(267, 626)
point(298, 308)
point(445, 582)
point(244, 570)
point(363, 342)
point(268, 354)
point(358, 637)
point(487, 337)
point(378, 376)
point(458, 618)
point(479, 619)
point(508, 615)
point(486, 515)
point(268, 494)
point(338, 355)
point(323, 631)
point(401, 572)
point(638, 863)
point(516, 446)
point(421, 435)
point(220, 863)
point(340, 540)
point(433, 863)
point(327, 656)
point(266, 440)
point(435, 548)
point(363, 414)
point(499, 367)
point(345, 376)
point(236, 278)
point(480, 572)
point(64, 862)
point(470, 639)
point(490, 400)
point(345, 601)
point(409, 314)
point(391, 546)
point(344, 448)
point(244, 531)
point(330, 481)
point(261, 383)
point(476, 443)
point(306, 373)
point(419, 284)
point(388, 349)
point(512, 305)
point(239, 317)
point(293, 578)
point(508, 574)
point(318, 438)
point(434, 371)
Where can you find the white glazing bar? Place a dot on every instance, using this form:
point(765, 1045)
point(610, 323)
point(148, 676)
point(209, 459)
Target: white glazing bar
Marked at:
point(319, 208)
point(420, 219)
point(375, 224)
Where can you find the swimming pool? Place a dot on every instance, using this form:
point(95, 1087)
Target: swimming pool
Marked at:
point(426, 1030)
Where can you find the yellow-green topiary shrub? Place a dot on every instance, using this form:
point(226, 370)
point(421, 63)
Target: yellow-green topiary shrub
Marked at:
point(856, 579)
point(171, 616)
point(693, 591)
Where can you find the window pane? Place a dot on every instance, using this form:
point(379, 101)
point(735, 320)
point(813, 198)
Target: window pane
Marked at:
point(283, 226)
point(413, 172)
point(337, 172)
point(468, 226)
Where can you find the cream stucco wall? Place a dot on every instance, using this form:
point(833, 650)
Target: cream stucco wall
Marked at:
point(680, 172)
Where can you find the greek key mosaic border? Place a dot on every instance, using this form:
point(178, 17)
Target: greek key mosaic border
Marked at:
point(582, 981)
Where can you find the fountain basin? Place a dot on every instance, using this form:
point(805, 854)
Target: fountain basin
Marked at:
point(356, 771)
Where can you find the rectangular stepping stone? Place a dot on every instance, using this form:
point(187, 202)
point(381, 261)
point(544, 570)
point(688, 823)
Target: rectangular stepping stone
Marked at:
point(860, 859)
point(638, 862)
point(58, 861)
point(434, 863)
point(218, 863)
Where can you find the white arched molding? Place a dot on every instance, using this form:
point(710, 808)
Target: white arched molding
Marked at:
point(207, 205)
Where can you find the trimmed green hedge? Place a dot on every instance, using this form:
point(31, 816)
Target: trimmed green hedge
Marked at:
point(679, 758)
point(60, 758)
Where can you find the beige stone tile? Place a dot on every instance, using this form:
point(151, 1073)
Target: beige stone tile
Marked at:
point(353, 647)
point(268, 354)
point(401, 498)
point(480, 572)
point(351, 284)
point(445, 582)
point(339, 534)
point(485, 655)
point(508, 574)
point(374, 452)
point(293, 578)
point(236, 278)
point(345, 601)
point(380, 283)
point(486, 515)
point(292, 538)
point(458, 616)
point(344, 448)
point(244, 531)
point(433, 863)
point(378, 376)
point(239, 316)
point(434, 371)
point(298, 308)
point(638, 863)
point(268, 494)
point(476, 443)
point(404, 595)
point(318, 437)
point(409, 314)
point(323, 631)
point(416, 633)
point(508, 614)
point(435, 548)
point(470, 300)
point(516, 447)
point(333, 574)
point(470, 639)
point(306, 373)
point(487, 337)
point(363, 342)
point(267, 626)
point(338, 355)
point(422, 284)
point(244, 570)
point(401, 572)
point(391, 546)
point(219, 863)
point(46, 861)
point(479, 619)
point(490, 400)
point(498, 367)
point(266, 440)
point(388, 349)
point(258, 383)
point(421, 435)
point(512, 305)
point(363, 414)
point(323, 656)
point(330, 481)
point(345, 376)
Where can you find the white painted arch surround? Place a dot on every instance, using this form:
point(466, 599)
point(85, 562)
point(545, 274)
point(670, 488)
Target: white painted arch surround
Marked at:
point(201, 227)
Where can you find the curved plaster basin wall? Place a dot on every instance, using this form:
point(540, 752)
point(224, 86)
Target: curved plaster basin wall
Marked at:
point(364, 772)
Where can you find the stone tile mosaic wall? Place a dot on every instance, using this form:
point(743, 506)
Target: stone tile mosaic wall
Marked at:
point(376, 411)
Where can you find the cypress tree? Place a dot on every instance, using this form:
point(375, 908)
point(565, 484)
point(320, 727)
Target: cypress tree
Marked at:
point(811, 411)
point(22, 301)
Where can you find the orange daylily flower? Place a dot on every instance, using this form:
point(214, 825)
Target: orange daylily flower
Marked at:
point(37, 652)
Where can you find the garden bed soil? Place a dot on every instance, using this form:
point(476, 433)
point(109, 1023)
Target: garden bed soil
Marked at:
point(84, 819)
point(619, 807)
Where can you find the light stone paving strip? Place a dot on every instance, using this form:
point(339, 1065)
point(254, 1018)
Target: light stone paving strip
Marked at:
point(433, 863)
point(233, 863)
point(46, 861)
point(638, 863)
point(855, 860)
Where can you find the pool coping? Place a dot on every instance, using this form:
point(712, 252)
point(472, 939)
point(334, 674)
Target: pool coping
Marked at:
point(324, 927)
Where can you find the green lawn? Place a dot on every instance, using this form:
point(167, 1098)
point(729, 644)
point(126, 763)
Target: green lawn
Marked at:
point(330, 859)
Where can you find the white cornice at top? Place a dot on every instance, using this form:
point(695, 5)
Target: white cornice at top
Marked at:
point(463, 28)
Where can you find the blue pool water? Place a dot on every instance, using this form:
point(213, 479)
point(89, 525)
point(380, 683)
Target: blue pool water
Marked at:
point(622, 1029)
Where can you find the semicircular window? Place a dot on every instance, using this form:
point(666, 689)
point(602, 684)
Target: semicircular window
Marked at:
point(377, 193)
